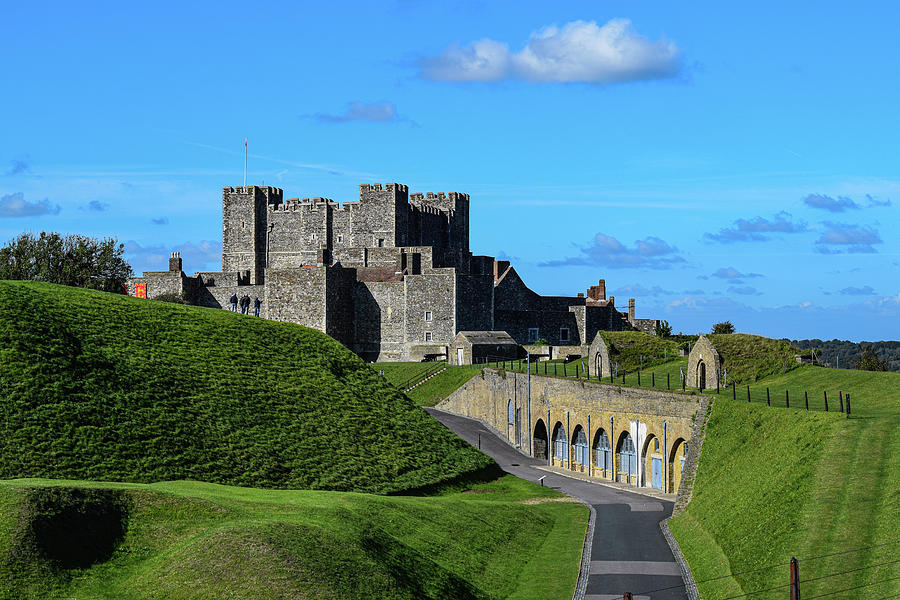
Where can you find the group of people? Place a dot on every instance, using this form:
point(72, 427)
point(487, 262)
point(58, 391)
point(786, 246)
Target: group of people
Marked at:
point(245, 304)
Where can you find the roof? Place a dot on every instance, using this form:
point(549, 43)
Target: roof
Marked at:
point(493, 338)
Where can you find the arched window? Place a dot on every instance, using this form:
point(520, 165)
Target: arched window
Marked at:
point(560, 443)
point(511, 413)
point(579, 441)
point(603, 453)
point(627, 458)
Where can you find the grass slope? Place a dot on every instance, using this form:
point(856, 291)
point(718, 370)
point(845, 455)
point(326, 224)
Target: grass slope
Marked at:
point(775, 483)
point(105, 387)
point(746, 355)
point(196, 540)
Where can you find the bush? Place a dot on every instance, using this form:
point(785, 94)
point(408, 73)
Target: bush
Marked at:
point(173, 298)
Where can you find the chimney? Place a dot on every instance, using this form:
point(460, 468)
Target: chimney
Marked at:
point(175, 262)
point(631, 310)
point(602, 289)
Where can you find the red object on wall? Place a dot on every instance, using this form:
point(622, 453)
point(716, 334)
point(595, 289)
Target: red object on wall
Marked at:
point(140, 290)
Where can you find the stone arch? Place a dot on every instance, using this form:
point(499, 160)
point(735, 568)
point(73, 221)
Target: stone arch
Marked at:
point(703, 357)
point(559, 449)
point(599, 357)
point(603, 454)
point(581, 453)
point(540, 440)
point(676, 460)
point(626, 459)
point(652, 457)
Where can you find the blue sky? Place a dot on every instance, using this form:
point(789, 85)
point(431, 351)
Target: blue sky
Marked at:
point(715, 161)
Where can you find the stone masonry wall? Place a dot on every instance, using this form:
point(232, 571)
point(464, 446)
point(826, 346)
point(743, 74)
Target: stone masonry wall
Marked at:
point(647, 415)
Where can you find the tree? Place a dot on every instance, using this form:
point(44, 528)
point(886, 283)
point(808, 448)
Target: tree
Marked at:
point(663, 329)
point(869, 361)
point(75, 260)
point(723, 327)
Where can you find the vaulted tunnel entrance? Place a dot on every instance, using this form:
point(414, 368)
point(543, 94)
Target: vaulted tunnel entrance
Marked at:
point(540, 440)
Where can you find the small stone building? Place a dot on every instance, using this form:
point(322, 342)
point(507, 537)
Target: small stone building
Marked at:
point(704, 365)
point(473, 347)
point(599, 357)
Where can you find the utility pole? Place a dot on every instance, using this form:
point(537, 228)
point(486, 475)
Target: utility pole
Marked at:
point(528, 401)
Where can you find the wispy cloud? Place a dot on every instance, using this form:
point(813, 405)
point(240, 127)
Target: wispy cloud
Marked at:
point(19, 167)
point(734, 276)
point(650, 253)
point(160, 221)
point(839, 204)
point(858, 291)
point(199, 256)
point(638, 290)
point(757, 229)
point(94, 206)
point(874, 202)
point(744, 290)
point(844, 237)
point(15, 205)
point(378, 112)
point(579, 51)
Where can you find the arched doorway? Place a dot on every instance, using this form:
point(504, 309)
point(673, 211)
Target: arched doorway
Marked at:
point(701, 375)
point(560, 446)
point(598, 365)
point(602, 455)
point(539, 439)
point(626, 459)
point(581, 453)
point(652, 460)
point(676, 464)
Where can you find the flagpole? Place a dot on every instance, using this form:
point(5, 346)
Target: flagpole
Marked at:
point(245, 162)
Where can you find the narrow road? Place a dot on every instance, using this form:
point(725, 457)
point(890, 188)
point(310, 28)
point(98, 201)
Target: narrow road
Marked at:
point(628, 552)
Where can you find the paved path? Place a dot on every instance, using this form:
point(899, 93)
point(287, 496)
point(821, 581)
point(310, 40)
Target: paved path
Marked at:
point(628, 552)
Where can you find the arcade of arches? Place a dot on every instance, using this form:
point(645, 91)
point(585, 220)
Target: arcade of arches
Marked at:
point(632, 436)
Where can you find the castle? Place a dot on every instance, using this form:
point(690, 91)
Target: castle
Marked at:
point(390, 276)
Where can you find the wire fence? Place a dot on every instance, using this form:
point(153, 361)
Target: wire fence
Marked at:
point(672, 378)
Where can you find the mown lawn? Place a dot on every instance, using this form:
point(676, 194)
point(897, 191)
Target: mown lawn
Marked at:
point(775, 483)
point(197, 540)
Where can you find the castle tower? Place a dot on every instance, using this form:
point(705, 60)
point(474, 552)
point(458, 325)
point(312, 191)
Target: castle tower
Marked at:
point(244, 229)
point(382, 219)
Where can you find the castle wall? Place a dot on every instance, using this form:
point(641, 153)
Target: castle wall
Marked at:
point(436, 293)
point(475, 303)
point(648, 416)
point(297, 296)
point(244, 219)
point(379, 315)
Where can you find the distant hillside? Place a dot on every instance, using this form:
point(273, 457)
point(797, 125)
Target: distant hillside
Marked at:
point(844, 354)
point(106, 387)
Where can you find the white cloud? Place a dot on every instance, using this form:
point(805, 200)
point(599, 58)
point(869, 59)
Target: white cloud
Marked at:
point(579, 51)
point(15, 205)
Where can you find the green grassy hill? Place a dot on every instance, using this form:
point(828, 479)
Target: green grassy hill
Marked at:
point(103, 387)
point(775, 483)
point(504, 539)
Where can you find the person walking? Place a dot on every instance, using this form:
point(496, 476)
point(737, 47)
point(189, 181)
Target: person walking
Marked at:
point(245, 304)
point(256, 303)
point(234, 300)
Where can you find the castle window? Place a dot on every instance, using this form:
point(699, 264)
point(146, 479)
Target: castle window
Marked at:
point(427, 336)
point(340, 238)
point(564, 334)
point(656, 445)
point(381, 242)
point(428, 316)
point(532, 334)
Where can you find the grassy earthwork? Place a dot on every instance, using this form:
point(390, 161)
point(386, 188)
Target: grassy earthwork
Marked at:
point(349, 490)
point(505, 539)
point(776, 482)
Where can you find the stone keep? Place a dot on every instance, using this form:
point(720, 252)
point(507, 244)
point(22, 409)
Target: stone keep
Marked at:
point(389, 275)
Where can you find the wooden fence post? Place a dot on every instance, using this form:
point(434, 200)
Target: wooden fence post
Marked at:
point(667, 380)
point(748, 394)
point(787, 400)
point(848, 404)
point(841, 399)
point(826, 400)
point(733, 391)
point(806, 398)
point(653, 380)
point(768, 400)
point(639, 378)
point(795, 579)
